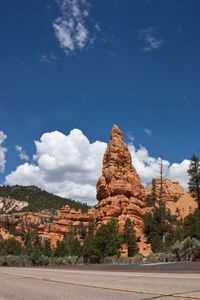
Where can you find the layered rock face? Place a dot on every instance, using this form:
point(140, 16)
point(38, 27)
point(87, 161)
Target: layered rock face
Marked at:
point(179, 202)
point(119, 190)
point(66, 219)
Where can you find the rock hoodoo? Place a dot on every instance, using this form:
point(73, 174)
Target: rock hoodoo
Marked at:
point(119, 190)
point(179, 202)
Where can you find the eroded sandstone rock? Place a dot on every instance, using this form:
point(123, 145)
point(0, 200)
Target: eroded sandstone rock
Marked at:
point(119, 190)
point(179, 202)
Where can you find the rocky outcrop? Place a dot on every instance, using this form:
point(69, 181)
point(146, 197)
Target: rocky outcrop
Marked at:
point(179, 202)
point(9, 204)
point(5, 234)
point(119, 190)
point(65, 220)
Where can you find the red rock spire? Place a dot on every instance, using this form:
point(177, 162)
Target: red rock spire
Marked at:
point(119, 190)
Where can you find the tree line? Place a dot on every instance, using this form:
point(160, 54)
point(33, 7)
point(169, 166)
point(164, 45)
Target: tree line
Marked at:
point(94, 247)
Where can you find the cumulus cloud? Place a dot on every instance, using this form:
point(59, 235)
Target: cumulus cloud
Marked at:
point(150, 38)
point(66, 165)
point(69, 166)
point(22, 153)
point(148, 167)
point(2, 151)
point(178, 171)
point(72, 26)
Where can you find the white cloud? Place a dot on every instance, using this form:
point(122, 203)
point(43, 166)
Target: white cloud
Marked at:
point(150, 38)
point(147, 131)
point(2, 151)
point(69, 165)
point(149, 167)
point(22, 153)
point(178, 171)
point(72, 27)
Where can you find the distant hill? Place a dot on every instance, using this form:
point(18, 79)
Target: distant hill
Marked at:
point(38, 199)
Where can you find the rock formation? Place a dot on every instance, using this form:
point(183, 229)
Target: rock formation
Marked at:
point(66, 219)
point(8, 204)
point(179, 202)
point(48, 226)
point(119, 190)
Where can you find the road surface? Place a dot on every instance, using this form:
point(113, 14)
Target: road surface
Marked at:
point(43, 284)
point(175, 267)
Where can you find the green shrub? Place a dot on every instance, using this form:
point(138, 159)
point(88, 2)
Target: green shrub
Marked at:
point(15, 261)
point(187, 250)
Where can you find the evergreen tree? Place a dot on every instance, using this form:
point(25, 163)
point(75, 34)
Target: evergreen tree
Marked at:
point(47, 248)
point(60, 250)
point(129, 238)
point(194, 178)
point(28, 243)
point(90, 251)
point(70, 245)
point(191, 225)
point(151, 199)
point(159, 228)
point(82, 231)
point(108, 239)
point(91, 227)
point(10, 246)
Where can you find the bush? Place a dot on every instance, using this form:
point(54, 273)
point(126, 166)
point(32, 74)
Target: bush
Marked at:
point(15, 261)
point(160, 258)
point(10, 246)
point(66, 260)
point(138, 258)
point(187, 250)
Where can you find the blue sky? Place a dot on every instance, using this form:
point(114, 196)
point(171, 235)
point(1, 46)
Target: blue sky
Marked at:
point(85, 64)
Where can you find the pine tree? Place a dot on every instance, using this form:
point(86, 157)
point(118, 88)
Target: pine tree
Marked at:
point(194, 178)
point(129, 238)
point(159, 228)
point(47, 248)
point(108, 239)
point(151, 199)
point(82, 231)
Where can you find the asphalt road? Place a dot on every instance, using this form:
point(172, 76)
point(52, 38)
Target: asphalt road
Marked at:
point(42, 283)
point(177, 267)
